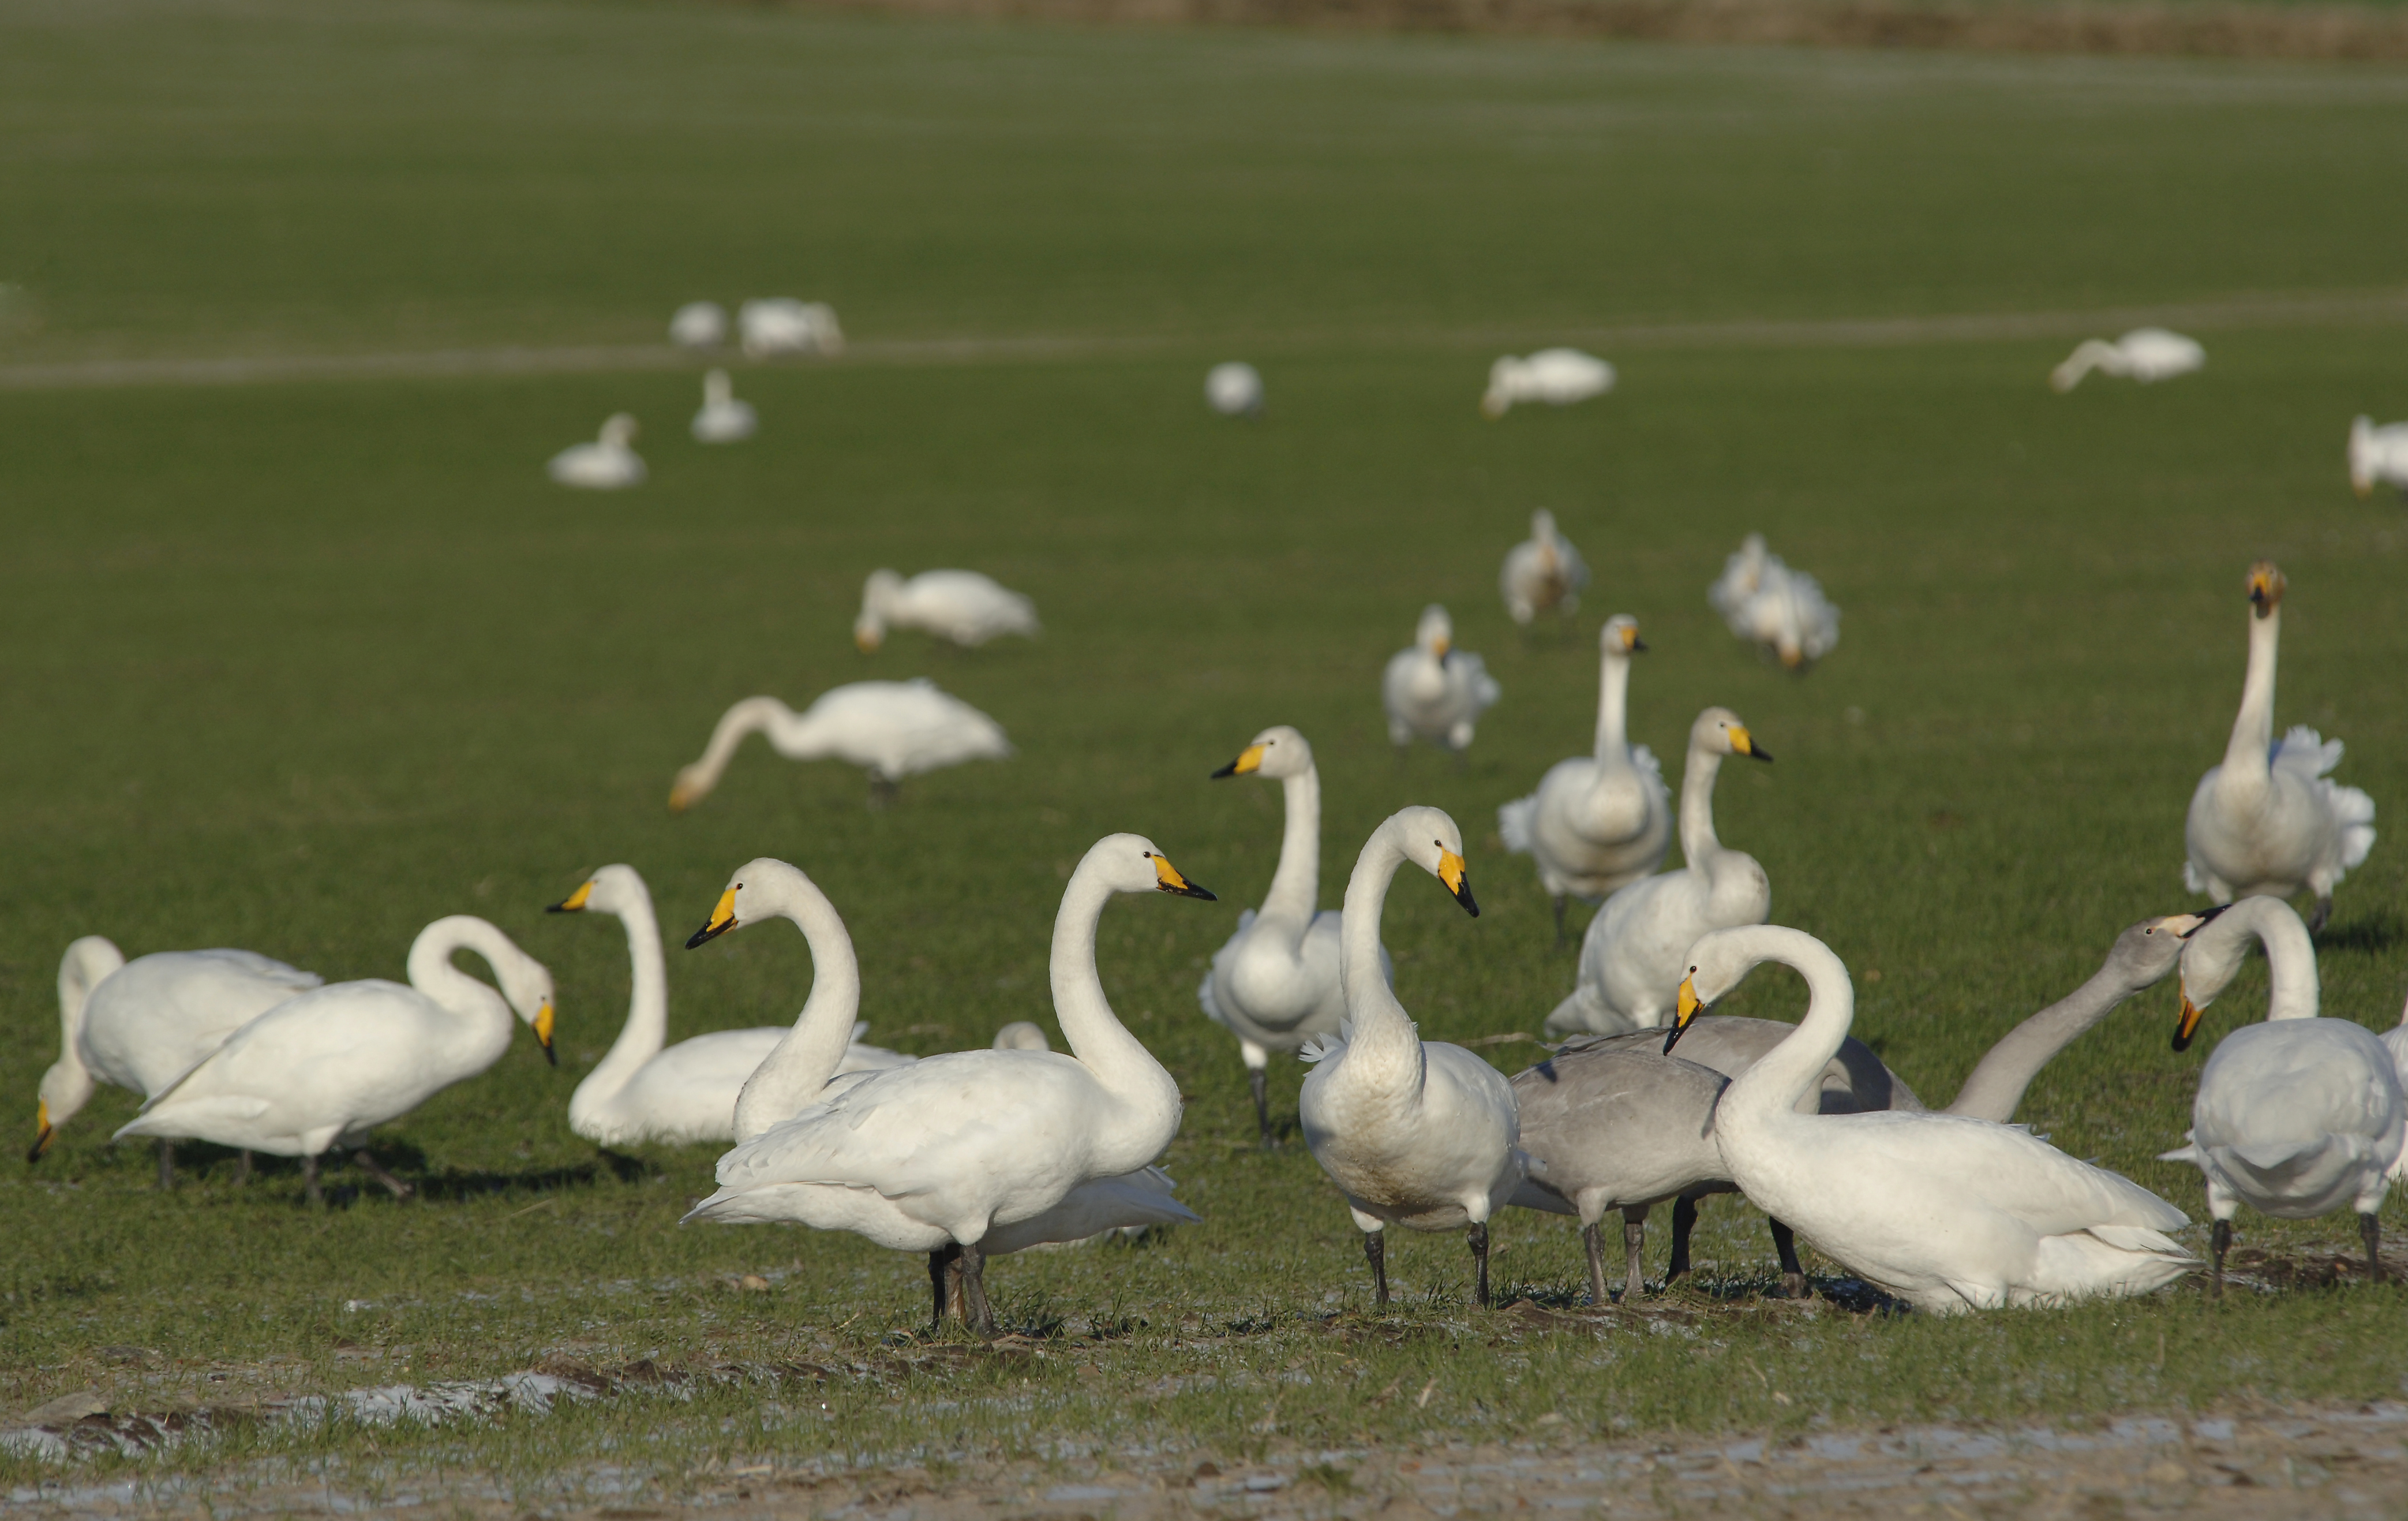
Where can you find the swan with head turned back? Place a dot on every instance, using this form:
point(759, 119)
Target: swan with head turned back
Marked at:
point(1597, 823)
point(324, 1067)
point(2269, 821)
point(1415, 1133)
point(953, 1150)
point(1275, 983)
point(960, 606)
point(2145, 354)
point(723, 420)
point(1434, 691)
point(2377, 457)
point(145, 1022)
point(1632, 954)
point(1558, 377)
point(1948, 1212)
point(1782, 611)
point(891, 729)
point(1542, 573)
point(606, 464)
point(2298, 1115)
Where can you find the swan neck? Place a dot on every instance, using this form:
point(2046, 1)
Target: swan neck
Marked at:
point(1698, 840)
point(1296, 887)
point(2293, 991)
point(790, 1078)
point(1380, 1025)
point(1999, 1080)
point(648, 1006)
point(750, 716)
point(1783, 1075)
point(1094, 1034)
point(485, 1017)
point(1613, 697)
point(2253, 730)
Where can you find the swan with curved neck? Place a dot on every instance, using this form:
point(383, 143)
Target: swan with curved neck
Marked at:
point(2268, 821)
point(936, 1155)
point(1947, 1213)
point(891, 729)
point(2145, 354)
point(324, 1069)
point(1597, 823)
point(1414, 1133)
point(2296, 1116)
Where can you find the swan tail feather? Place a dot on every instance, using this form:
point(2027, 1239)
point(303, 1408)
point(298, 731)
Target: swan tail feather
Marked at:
point(1515, 822)
point(1644, 759)
point(2142, 1238)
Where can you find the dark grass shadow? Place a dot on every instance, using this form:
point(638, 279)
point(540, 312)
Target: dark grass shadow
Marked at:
point(2369, 935)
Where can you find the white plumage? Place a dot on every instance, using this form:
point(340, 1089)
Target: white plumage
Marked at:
point(782, 325)
point(1558, 377)
point(891, 729)
point(700, 324)
point(1433, 691)
point(962, 606)
point(1234, 390)
point(606, 464)
point(2377, 457)
point(1542, 573)
point(2145, 354)
point(722, 420)
point(1781, 610)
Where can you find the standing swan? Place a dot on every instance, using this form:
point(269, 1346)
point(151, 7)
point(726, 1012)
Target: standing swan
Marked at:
point(1434, 691)
point(2268, 821)
point(2377, 454)
point(324, 1068)
point(1598, 823)
point(2295, 1116)
point(1416, 1133)
point(640, 1092)
point(938, 1155)
point(962, 606)
point(1542, 573)
point(1632, 956)
point(1948, 1213)
point(1558, 377)
point(1782, 611)
point(891, 729)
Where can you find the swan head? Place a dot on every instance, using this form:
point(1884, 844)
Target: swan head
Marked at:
point(1021, 1035)
point(2213, 954)
point(1134, 864)
point(692, 784)
point(2148, 952)
point(526, 983)
point(65, 1089)
point(1620, 636)
point(1719, 731)
point(613, 889)
point(619, 430)
point(1428, 837)
point(877, 594)
point(1435, 633)
point(1504, 379)
point(2266, 586)
point(1722, 958)
point(758, 891)
point(1277, 752)
point(2361, 455)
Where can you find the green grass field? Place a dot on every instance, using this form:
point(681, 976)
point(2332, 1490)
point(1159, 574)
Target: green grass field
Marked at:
point(300, 666)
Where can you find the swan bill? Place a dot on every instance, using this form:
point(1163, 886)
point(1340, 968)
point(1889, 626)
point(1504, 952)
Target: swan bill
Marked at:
point(2187, 1026)
point(543, 1024)
point(1686, 1008)
point(723, 919)
point(1457, 879)
point(1249, 761)
point(1167, 880)
point(2265, 587)
point(2198, 921)
point(575, 902)
point(43, 1130)
point(1631, 642)
point(1743, 743)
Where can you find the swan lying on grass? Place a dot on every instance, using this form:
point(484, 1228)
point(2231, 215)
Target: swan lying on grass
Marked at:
point(700, 324)
point(604, 465)
point(1558, 377)
point(891, 729)
point(723, 420)
point(782, 325)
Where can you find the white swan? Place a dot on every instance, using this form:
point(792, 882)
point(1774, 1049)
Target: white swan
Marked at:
point(1601, 821)
point(1234, 390)
point(939, 1156)
point(2269, 821)
point(640, 1092)
point(2377, 455)
point(2143, 354)
point(145, 1022)
point(1782, 611)
point(723, 420)
point(324, 1067)
point(782, 325)
point(1434, 691)
point(1542, 573)
point(962, 606)
point(1128, 1206)
point(1947, 1213)
point(1414, 1133)
point(2296, 1116)
point(891, 729)
point(700, 324)
point(1558, 377)
point(2395, 1041)
point(1274, 985)
point(604, 465)
point(1631, 957)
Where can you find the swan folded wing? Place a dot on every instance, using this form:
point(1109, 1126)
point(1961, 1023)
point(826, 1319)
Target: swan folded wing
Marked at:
point(2010, 1170)
point(266, 969)
point(196, 1117)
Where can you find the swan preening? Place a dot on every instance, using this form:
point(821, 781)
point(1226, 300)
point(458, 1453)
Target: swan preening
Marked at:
point(962, 606)
point(1234, 390)
point(1602, 821)
point(963, 1156)
point(1542, 573)
point(2297, 1116)
point(723, 420)
point(1947, 1213)
point(2143, 354)
point(700, 324)
point(323, 1068)
point(2269, 821)
point(1558, 377)
point(1434, 691)
point(606, 464)
point(891, 729)
point(2377, 457)
point(782, 325)
point(1782, 611)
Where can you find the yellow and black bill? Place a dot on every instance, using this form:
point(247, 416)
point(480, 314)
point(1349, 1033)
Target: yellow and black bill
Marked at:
point(1744, 743)
point(1166, 879)
point(2205, 917)
point(1685, 1008)
point(723, 919)
point(1249, 761)
point(1457, 878)
point(2187, 1026)
point(574, 902)
point(43, 1130)
point(543, 1032)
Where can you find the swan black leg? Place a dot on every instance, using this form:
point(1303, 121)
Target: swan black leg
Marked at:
point(944, 1277)
point(1560, 939)
point(1260, 1082)
point(392, 1185)
point(1634, 1247)
point(242, 1168)
point(975, 1309)
point(1793, 1277)
point(2316, 920)
point(2370, 1230)
point(1685, 1220)
point(2219, 1242)
point(309, 1180)
point(167, 1163)
point(1478, 1235)
point(1375, 1249)
point(1594, 1242)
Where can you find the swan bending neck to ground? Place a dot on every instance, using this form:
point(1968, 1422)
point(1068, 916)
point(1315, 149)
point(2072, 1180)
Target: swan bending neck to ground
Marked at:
point(2145, 354)
point(1949, 1214)
point(1418, 1134)
point(891, 729)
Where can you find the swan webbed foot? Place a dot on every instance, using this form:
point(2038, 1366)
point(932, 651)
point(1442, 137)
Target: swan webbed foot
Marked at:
point(2219, 1242)
point(1685, 1220)
point(392, 1185)
point(1793, 1276)
point(976, 1312)
point(2370, 1230)
point(2317, 919)
point(1594, 1245)
point(1375, 1251)
point(1478, 1235)
point(1634, 1246)
point(166, 1163)
point(309, 1188)
point(1258, 1080)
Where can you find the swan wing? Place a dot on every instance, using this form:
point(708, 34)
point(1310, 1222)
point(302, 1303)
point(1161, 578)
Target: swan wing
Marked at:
point(2008, 1168)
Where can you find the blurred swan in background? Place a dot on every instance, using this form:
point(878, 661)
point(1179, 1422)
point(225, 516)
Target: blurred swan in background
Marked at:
point(700, 324)
point(891, 729)
point(2377, 457)
point(604, 465)
point(2143, 354)
point(1234, 390)
point(782, 325)
point(1558, 377)
point(1434, 691)
point(723, 420)
point(1542, 573)
point(1781, 610)
point(962, 606)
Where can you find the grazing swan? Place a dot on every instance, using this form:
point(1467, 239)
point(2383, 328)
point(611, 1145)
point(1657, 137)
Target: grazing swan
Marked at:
point(604, 465)
point(1414, 1133)
point(145, 1022)
point(1782, 611)
point(1274, 985)
point(2268, 821)
point(2296, 1116)
point(1600, 823)
point(1234, 390)
point(939, 1156)
point(2143, 354)
point(1558, 377)
point(782, 325)
point(1434, 691)
point(1947, 1213)
point(1543, 572)
point(1631, 957)
point(891, 729)
point(324, 1069)
point(2378, 455)
point(958, 604)
point(640, 1092)
point(700, 324)
point(723, 420)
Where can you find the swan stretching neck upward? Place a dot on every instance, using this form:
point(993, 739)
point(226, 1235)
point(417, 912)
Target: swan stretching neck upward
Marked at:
point(962, 606)
point(1599, 823)
point(1274, 985)
point(2143, 355)
point(145, 1022)
point(723, 420)
point(640, 1092)
point(1631, 957)
point(2377, 455)
point(938, 1155)
point(1435, 691)
point(1415, 1133)
point(2269, 821)
point(1558, 377)
point(325, 1067)
point(1947, 1213)
point(1542, 573)
point(2298, 1116)
point(891, 729)
point(604, 465)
